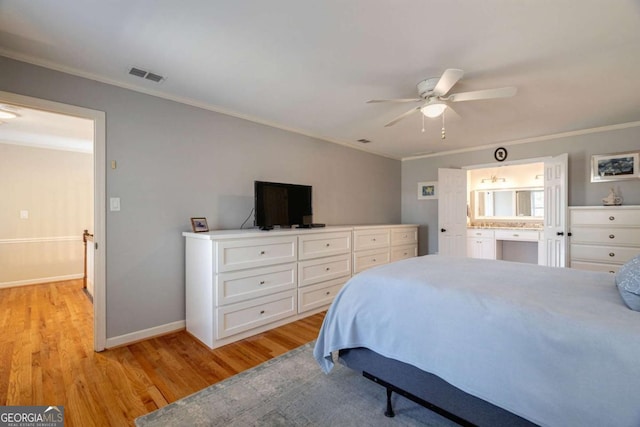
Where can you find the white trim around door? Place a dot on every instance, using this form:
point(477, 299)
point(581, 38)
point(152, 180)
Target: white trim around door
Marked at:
point(99, 197)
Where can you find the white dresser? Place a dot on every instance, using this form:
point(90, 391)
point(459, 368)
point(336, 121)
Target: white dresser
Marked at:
point(243, 282)
point(381, 244)
point(603, 238)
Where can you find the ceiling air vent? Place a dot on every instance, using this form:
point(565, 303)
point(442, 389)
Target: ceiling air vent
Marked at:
point(147, 75)
point(364, 141)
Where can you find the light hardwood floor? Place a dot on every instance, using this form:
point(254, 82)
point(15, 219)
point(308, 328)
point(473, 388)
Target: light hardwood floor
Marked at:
point(47, 358)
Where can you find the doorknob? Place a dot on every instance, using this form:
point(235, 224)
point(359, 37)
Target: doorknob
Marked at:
point(443, 230)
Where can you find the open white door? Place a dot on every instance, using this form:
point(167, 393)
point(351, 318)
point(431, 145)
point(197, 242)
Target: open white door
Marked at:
point(452, 212)
point(555, 211)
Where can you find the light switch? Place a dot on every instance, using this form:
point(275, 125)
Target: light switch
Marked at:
point(24, 214)
point(114, 204)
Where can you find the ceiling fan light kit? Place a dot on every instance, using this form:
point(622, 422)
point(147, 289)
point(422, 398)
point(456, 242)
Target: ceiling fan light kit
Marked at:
point(434, 93)
point(433, 110)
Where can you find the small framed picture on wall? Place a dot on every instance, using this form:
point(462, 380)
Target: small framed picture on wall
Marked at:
point(199, 225)
point(427, 190)
point(615, 167)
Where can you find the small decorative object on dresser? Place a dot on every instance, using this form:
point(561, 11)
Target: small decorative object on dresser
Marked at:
point(615, 167)
point(199, 225)
point(612, 199)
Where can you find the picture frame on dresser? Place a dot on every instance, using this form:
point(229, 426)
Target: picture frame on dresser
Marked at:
point(615, 167)
point(199, 225)
point(427, 190)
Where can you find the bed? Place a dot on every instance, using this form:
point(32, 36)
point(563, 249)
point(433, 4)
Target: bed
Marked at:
point(492, 342)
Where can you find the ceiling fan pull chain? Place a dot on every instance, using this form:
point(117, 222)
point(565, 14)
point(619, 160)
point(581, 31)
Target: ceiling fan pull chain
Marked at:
point(443, 133)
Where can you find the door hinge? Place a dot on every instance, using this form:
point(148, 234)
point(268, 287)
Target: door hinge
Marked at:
point(96, 245)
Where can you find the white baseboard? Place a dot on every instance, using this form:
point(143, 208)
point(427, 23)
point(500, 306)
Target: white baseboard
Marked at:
point(145, 334)
point(28, 282)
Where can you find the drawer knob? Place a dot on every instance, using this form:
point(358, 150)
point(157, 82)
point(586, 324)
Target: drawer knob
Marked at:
point(261, 252)
point(611, 271)
point(374, 260)
point(328, 268)
point(478, 234)
point(261, 311)
point(611, 236)
point(262, 282)
point(405, 254)
point(611, 254)
point(374, 239)
point(515, 235)
point(611, 218)
point(328, 293)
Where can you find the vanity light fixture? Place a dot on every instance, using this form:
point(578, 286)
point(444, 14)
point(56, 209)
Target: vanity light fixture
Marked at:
point(492, 180)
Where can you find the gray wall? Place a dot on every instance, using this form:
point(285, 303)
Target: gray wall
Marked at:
point(176, 161)
point(581, 191)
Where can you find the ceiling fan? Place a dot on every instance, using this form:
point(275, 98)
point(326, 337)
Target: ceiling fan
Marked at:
point(433, 95)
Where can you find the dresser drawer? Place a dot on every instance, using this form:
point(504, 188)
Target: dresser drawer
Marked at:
point(243, 285)
point(238, 254)
point(404, 236)
point(318, 270)
point(480, 232)
point(323, 244)
point(606, 235)
point(403, 252)
point(605, 216)
point(606, 254)
point(367, 259)
point(370, 239)
point(320, 294)
point(517, 235)
point(240, 317)
point(594, 266)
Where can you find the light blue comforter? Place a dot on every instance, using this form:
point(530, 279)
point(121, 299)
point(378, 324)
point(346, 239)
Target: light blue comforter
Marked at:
point(556, 346)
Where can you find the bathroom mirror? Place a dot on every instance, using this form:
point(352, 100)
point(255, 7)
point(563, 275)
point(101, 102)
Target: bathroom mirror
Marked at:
point(517, 203)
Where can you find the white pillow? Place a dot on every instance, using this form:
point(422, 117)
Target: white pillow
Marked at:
point(628, 282)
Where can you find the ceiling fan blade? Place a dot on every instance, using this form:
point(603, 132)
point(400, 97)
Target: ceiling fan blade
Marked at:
point(503, 92)
point(446, 82)
point(372, 101)
point(402, 116)
point(450, 112)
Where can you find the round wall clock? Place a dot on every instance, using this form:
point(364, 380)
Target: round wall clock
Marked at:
point(500, 154)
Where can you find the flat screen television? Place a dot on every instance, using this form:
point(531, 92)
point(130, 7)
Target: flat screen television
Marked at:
point(284, 205)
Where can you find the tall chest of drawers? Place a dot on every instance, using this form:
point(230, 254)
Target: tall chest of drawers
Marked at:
point(603, 238)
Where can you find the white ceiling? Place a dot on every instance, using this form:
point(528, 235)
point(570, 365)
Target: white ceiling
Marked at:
point(44, 129)
point(310, 66)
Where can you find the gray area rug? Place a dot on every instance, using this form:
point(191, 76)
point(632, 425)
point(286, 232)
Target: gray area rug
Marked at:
point(291, 390)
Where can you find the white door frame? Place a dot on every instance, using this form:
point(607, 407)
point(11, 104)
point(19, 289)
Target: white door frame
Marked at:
point(99, 197)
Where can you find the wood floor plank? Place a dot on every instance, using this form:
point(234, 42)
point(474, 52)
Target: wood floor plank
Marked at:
point(47, 358)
